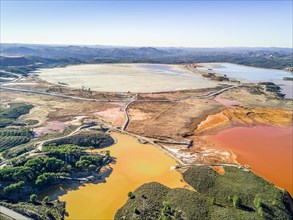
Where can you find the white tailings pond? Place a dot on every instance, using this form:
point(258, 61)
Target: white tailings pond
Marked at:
point(158, 77)
point(126, 77)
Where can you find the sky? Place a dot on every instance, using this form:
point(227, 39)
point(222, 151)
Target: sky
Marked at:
point(248, 23)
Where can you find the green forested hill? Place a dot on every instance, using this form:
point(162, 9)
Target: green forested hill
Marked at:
point(235, 195)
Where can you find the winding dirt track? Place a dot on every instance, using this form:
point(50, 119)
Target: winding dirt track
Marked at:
point(60, 95)
point(12, 214)
point(127, 117)
point(134, 99)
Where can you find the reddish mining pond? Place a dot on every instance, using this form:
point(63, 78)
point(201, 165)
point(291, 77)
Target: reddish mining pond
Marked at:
point(268, 150)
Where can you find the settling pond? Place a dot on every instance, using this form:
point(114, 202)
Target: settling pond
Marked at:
point(135, 165)
point(268, 150)
point(157, 77)
point(126, 77)
point(253, 75)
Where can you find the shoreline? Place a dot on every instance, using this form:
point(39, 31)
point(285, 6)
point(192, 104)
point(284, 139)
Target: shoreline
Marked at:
point(130, 69)
point(259, 167)
point(158, 172)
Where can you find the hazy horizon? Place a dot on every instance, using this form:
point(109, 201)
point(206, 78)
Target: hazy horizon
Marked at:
point(188, 24)
point(138, 46)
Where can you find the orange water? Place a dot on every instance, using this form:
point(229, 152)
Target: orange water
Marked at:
point(268, 150)
point(136, 164)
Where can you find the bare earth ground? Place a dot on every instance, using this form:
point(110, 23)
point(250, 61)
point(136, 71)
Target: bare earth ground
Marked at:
point(37, 84)
point(197, 118)
point(178, 119)
point(191, 116)
point(55, 114)
point(169, 120)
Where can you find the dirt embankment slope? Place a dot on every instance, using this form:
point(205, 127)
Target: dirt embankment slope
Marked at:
point(241, 108)
point(245, 108)
point(246, 117)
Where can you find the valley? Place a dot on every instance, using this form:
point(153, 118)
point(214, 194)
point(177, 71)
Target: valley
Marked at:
point(146, 110)
point(159, 132)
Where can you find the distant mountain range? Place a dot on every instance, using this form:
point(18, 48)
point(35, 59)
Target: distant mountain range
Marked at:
point(66, 54)
point(85, 51)
point(14, 61)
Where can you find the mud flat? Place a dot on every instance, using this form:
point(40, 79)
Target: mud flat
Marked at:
point(51, 127)
point(126, 77)
point(268, 150)
point(135, 165)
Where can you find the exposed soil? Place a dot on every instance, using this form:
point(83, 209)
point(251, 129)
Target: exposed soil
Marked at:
point(37, 84)
point(226, 102)
point(191, 117)
point(113, 115)
point(169, 120)
point(245, 116)
point(48, 109)
point(51, 126)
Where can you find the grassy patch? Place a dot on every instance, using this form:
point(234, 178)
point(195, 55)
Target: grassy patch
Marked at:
point(246, 186)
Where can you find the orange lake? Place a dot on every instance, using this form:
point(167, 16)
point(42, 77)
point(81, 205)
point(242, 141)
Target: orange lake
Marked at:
point(135, 165)
point(268, 150)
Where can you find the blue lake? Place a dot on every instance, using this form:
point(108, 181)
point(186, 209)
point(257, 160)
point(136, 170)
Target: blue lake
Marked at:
point(253, 74)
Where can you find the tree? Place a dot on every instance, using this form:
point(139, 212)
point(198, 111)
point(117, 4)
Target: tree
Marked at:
point(33, 198)
point(136, 211)
point(52, 164)
point(13, 188)
point(23, 173)
point(236, 201)
point(35, 163)
point(260, 211)
point(48, 213)
point(45, 178)
point(85, 161)
point(66, 168)
point(91, 148)
point(92, 167)
point(46, 199)
point(257, 202)
point(168, 212)
point(130, 195)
